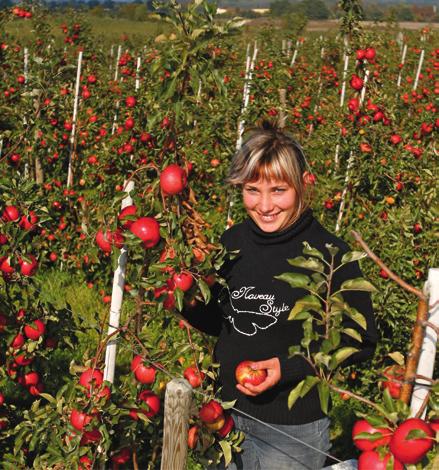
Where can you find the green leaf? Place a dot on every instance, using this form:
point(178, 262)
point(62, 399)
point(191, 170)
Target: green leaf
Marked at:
point(293, 350)
point(301, 316)
point(323, 390)
point(309, 302)
point(228, 404)
point(294, 279)
point(179, 295)
point(310, 382)
point(341, 355)
point(377, 421)
point(205, 291)
point(309, 250)
point(352, 256)
point(333, 250)
point(388, 402)
point(227, 451)
point(369, 436)
point(358, 317)
point(416, 434)
point(307, 263)
point(398, 358)
point(353, 334)
point(295, 394)
point(358, 284)
point(48, 397)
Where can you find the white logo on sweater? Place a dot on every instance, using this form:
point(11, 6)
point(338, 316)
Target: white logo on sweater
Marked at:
point(247, 322)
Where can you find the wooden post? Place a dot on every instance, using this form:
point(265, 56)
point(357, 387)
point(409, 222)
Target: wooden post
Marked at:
point(176, 422)
point(415, 352)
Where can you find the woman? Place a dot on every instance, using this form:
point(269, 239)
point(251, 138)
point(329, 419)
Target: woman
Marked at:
point(250, 314)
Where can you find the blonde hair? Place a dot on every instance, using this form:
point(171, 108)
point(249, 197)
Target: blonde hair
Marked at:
point(269, 153)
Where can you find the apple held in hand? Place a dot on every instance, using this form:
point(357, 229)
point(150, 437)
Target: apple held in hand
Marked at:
point(365, 444)
point(173, 179)
point(411, 450)
point(245, 374)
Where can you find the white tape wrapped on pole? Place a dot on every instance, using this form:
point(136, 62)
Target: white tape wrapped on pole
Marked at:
point(116, 298)
point(429, 345)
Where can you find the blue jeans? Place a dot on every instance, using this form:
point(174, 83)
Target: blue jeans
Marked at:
point(267, 449)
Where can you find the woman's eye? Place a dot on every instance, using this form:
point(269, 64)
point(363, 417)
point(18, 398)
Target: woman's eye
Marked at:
point(250, 190)
point(279, 190)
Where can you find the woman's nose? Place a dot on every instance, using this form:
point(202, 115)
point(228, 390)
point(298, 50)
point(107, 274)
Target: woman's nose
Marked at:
point(265, 203)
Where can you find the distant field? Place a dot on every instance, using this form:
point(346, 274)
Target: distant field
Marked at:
point(107, 30)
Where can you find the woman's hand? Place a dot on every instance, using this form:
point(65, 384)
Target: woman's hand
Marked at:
point(272, 367)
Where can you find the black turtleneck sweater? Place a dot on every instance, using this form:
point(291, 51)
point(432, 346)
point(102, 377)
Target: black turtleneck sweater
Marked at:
point(250, 316)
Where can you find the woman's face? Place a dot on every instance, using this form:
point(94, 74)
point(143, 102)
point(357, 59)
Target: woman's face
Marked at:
point(270, 203)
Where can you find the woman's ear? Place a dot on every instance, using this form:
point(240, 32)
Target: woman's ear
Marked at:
point(308, 178)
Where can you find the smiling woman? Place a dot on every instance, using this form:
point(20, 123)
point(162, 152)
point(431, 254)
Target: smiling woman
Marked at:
point(250, 313)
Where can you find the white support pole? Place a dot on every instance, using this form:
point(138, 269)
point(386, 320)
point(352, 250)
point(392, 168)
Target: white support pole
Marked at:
point(118, 280)
point(116, 75)
point(116, 68)
point(293, 60)
point(289, 47)
point(345, 73)
point(418, 72)
point(428, 352)
point(116, 298)
point(26, 64)
point(404, 53)
point(137, 74)
point(75, 112)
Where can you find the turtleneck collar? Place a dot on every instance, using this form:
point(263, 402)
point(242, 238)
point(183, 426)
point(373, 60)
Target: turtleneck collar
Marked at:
point(271, 238)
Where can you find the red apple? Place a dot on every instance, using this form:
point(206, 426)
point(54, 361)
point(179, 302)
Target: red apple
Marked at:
point(183, 280)
point(130, 101)
point(127, 212)
point(394, 375)
point(35, 329)
point(194, 377)
point(210, 412)
point(148, 230)
point(192, 437)
point(173, 179)
point(152, 400)
point(370, 460)
point(122, 456)
point(245, 374)
point(411, 451)
point(18, 341)
point(79, 420)
point(356, 82)
point(28, 268)
point(10, 214)
point(31, 378)
point(91, 378)
point(227, 427)
point(364, 444)
point(143, 373)
point(90, 437)
point(103, 240)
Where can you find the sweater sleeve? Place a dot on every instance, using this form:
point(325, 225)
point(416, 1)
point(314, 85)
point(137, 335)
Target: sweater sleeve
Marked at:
point(362, 302)
point(206, 317)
